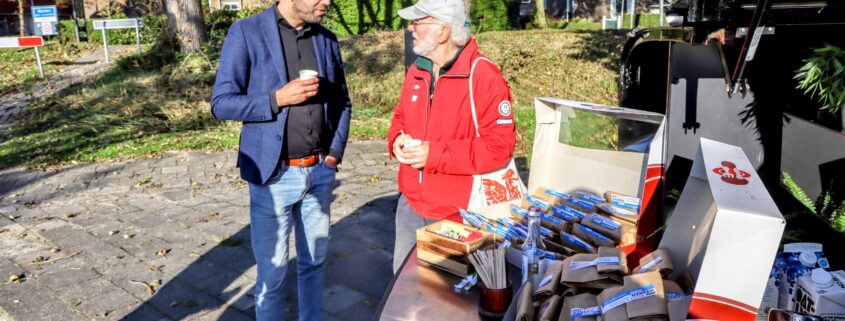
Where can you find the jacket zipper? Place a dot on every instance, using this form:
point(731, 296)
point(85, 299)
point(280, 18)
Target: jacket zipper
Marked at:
point(429, 102)
point(425, 126)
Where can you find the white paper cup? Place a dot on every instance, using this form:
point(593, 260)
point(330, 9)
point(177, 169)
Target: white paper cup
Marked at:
point(307, 74)
point(413, 142)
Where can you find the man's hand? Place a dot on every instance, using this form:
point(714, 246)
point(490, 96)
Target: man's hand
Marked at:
point(398, 143)
point(416, 155)
point(330, 161)
point(297, 91)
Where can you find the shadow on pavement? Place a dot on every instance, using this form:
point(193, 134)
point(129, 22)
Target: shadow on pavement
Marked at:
point(358, 270)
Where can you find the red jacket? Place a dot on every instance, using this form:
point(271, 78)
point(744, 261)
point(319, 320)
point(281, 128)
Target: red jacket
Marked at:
point(445, 120)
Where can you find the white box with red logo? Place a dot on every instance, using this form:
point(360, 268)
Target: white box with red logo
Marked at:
point(724, 233)
point(725, 229)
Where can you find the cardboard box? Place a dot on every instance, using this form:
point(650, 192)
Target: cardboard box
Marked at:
point(725, 230)
point(565, 158)
point(449, 254)
point(822, 295)
point(724, 234)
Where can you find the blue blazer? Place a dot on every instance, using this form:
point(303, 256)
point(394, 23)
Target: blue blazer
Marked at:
point(252, 65)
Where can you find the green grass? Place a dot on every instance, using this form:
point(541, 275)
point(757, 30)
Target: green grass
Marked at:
point(19, 68)
point(161, 103)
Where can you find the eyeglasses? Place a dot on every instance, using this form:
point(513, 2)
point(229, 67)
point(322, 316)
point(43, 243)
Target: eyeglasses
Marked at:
point(416, 23)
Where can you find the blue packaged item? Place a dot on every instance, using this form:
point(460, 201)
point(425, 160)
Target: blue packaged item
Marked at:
point(798, 259)
point(555, 193)
point(590, 197)
point(581, 204)
point(567, 213)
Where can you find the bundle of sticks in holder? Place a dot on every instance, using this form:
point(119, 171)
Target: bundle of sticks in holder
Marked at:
point(490, 266)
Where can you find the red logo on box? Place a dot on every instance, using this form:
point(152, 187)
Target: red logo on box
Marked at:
point(731, 175)
point(506, 189)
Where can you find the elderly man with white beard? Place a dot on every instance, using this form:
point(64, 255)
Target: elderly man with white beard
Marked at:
point(434, 135)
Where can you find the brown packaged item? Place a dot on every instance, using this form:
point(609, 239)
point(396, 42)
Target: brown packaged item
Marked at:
point(540, 199)
point(580, 271)
point(604, 225)
point(659, 260)
point(617, 313)
point(619, 270)
point(624, 201)
point(576, 243)
point(652, 306)
point(525, 305)
point(550, 284)
point(678, 301)
point(550, 309)
point(581, 307)
point(618, 212)
point(592, 236)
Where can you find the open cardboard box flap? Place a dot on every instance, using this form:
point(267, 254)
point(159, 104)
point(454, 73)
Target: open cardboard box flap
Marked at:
point(725, 229)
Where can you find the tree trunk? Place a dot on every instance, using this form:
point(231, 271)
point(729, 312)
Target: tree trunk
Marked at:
point(185, 24)
point(541, 14)
point(360, 6)
point(340, 18)
point(20, 18)
point(388, 14)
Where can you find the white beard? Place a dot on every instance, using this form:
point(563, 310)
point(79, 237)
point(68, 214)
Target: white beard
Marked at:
point(425, 46)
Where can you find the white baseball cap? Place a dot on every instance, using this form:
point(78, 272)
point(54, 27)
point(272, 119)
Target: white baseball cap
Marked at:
point(450, 11)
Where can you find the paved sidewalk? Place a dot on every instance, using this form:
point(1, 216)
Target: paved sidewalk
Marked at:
point(90, 242)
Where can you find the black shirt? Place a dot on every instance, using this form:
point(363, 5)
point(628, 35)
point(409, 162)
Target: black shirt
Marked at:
point(306, 132)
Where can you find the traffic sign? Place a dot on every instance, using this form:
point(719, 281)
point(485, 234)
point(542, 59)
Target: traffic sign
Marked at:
point(45, 20)
point(117, 24)
point(25, 42)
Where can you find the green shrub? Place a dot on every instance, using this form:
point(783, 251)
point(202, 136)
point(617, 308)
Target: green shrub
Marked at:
point(218, 22)
point(489, 15)
point(150, 32)
point(343, 16)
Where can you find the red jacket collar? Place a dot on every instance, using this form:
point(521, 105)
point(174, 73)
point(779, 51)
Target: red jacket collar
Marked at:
point(460, 68)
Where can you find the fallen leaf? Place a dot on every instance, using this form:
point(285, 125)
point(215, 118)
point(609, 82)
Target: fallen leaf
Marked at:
point(40, 259)
point(113, 232)
point(56, 250)
point(17, 278)
point(128, 236)
point(155, 269)
point(71, 215)
point(162, 252)
point(103, 314)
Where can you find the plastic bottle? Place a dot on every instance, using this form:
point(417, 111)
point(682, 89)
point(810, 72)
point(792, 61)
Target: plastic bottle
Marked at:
point(532, 250)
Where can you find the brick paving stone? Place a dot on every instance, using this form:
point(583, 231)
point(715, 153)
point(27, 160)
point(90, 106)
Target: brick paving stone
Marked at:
point(189, 203)
point(341, 297)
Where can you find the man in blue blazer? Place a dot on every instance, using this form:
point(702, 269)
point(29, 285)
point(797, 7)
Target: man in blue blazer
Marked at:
point(295, 127)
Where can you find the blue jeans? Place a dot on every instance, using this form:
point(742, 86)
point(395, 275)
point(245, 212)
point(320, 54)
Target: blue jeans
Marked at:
point(297, 198)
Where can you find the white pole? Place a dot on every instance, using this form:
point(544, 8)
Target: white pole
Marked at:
point(138, 35)
point(105, 43)
point(662, 4)
point(633, 11)
point(38, 58)
point(622, 20)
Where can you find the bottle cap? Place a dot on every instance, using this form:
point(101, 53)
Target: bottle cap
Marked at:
point(534, 210)
point(808, 259)
point(821, 277)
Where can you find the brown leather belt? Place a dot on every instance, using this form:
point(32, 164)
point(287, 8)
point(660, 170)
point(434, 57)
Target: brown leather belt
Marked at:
point(307, 161)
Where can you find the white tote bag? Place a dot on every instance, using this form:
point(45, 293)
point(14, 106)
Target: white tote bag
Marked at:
point(497, 186)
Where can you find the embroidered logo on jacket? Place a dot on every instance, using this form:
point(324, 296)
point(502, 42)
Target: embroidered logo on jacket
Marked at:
point(505, 108)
